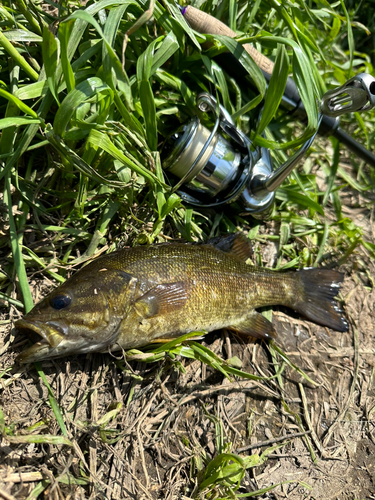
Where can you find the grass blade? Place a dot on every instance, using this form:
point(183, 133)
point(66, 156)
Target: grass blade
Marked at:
point(101, 140)
point(92, 87)
point(17, 57)
point(65, 31)
point(16, 249)
point(20, 104)
point(17, 122)
point(40, 439)
point(55, 408)
point(50, 52)
point(275, 89)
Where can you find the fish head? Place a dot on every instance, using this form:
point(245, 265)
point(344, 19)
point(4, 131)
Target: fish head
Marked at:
point(82, 315)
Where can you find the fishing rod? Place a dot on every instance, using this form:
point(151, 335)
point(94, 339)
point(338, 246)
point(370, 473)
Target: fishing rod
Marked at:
point(208, 171)
point(291, 101)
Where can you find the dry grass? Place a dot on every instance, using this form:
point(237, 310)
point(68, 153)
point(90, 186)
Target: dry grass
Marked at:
point(148, 431)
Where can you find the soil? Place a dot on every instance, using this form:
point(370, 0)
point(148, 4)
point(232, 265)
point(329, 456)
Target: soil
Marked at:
point(169, 419)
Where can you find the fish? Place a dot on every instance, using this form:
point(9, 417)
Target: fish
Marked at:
point(146, 294)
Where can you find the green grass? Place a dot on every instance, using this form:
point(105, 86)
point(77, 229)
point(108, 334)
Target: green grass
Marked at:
point(82, 134)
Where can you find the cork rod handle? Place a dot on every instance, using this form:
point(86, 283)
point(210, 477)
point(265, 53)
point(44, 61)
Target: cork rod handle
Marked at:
point(204, 23)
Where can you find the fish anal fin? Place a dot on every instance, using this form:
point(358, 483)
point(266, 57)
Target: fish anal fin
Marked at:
point(256, 326)
point(163, 298)
point(237, 245)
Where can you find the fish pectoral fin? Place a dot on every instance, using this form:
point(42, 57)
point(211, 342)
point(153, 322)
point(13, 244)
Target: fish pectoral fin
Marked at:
point(163, 298)
point(255, 325)
point(237, 245)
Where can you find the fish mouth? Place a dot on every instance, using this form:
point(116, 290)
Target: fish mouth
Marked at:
point(48, 338)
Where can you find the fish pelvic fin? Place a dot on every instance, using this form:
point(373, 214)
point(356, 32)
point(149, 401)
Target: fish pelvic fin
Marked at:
point(237, 245)
point(319, 287)
point(255, 326)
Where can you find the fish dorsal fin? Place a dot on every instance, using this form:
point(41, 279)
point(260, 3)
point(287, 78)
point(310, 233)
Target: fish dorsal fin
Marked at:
point(255, 325)
point(163, 298)
point(236, 245)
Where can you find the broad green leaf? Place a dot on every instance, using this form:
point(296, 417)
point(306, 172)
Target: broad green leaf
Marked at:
point(299, 35)
point(248, 107)
point(65, 31)
point(149, 113)
point(32, 91)
point(87, 55)
point(172, 202)
point(144, 62)
point(56, 410)
point(50, 52)
point(17, 121)
point(232, 14)
point(166, 50)
point(122, 78)
point(351, 181)
point(222, 86)
point(176, 12)
point(17, 57)
point(218, 469)
point(114, 18)
point(303, 78)
point(16, 249)
point(350, 34)
point(144, 66)
point(290, 196)
point(275, 89)
point(249, 19)
point(110, 64)
point(84, 91)
point(23, 36)
point(92, 10)
point(101, 140)
point(178, 84)
point(78, 162)
point(245, 59)
point(19, 103)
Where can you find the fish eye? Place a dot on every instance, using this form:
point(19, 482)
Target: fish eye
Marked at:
point(60, 301)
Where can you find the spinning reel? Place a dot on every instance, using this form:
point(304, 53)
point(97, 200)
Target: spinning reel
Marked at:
point(211, 171)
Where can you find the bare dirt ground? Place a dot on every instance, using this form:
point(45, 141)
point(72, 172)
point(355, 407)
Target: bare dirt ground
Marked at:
point(146, 431)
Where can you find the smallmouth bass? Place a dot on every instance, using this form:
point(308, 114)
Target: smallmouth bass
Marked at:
point(135, 296)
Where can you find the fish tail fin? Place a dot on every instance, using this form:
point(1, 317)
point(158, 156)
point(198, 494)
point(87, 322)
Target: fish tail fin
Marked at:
point(319, 287)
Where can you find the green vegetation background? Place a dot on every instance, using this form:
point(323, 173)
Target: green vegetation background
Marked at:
point(84, 112)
